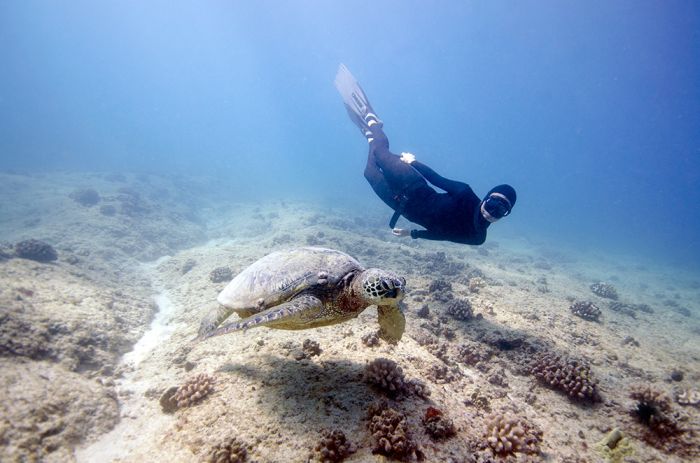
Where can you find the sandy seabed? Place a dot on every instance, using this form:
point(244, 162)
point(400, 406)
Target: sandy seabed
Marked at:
point(91, 342)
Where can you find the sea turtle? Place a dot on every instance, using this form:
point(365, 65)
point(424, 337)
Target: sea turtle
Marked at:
point(306, 288)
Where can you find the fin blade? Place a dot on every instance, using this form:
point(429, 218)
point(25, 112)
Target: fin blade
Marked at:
point(354, 98)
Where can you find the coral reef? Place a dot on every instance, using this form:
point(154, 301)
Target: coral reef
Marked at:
point(460, 309)
point(191, 392)
point(424, 311)
point(498, 378)
point(572, 377)
point(440, 286)
point(622, 308)
point(475, 284)
point(35, 250)
point(229, 451)
point(220, 274)
point(472, 353)
point(506, 434)
point(311, 348)
point(503, 342)
point(391, 434)
point(586, 310)
point(388, 377)
point(605, 290)
point(437, 328)
point(436, 425)
point(371, 339)
point(643, 308)
point(438, 263)
point(333, 447)
point(86, 197)
point(442, 374)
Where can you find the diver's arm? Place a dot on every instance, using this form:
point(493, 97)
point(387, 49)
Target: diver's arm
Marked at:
point(400, 232)
point(427, 235)
point(450, 186)
point(431, 235)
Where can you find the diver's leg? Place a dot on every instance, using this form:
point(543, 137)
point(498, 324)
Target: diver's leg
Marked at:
point(399, 175)
point(385, 169)
point(376, 179)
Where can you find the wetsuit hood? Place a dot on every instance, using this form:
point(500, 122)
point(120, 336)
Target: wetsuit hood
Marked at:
point(506, 190)
point(498, 203)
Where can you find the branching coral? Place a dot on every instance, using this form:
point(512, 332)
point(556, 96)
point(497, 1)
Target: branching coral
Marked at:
point(333, 447)
point(230, 451)
point(311, 348)
point(460, 309)
point(475, 284)
point(506, 434)
point(424, 311)
point(440, 286)
point(441, 373)
point(388, 377)
point(436, 425)
point(390, 432)
point(194, 390)
point(35, 250)
point(572, 377)
point(371, 339)
point(586, 310)
point(622, 308)
point(605, 290)
point(472, 353)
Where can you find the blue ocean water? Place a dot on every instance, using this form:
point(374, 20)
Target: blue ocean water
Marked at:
point(590, 109)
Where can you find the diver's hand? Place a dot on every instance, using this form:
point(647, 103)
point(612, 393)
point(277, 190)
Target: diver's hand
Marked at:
point(408, 158)
point(400, 232)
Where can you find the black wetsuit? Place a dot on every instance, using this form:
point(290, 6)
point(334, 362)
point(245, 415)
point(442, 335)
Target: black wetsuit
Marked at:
point(451, 216)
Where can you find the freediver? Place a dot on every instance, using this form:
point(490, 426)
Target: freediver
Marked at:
point(458, 215)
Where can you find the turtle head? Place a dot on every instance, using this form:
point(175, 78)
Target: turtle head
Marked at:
point(380, 287)
point(385, 290)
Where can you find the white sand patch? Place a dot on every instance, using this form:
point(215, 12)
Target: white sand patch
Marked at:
point(159, 331)
point(139, 424)
point(161, 327)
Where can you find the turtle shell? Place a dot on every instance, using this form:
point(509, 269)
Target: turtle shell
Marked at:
point(281, 275)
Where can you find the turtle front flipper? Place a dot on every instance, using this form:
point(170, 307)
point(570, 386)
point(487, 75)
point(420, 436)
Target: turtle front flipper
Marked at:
point(392, 322)
point(297, 314)
point(212, 319)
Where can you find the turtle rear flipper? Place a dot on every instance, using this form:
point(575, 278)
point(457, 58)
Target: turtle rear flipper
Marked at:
point(297, 314)
point(392, 323)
